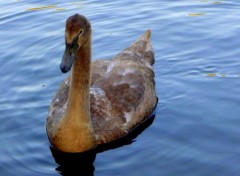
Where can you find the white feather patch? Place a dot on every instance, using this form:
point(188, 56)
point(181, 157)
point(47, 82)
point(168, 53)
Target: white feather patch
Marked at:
point(128, 116)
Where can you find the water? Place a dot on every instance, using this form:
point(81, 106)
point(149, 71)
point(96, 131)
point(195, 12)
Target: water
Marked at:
point(196, 127)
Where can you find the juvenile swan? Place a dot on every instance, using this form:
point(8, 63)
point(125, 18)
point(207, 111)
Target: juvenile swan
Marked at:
point(104, 100)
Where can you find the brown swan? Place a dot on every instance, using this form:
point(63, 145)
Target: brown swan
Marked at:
point(104, 100)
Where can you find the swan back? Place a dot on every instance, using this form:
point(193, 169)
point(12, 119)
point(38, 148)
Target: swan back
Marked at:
point(123, 90)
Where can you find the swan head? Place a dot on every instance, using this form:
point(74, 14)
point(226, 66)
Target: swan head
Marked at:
point(77, 34)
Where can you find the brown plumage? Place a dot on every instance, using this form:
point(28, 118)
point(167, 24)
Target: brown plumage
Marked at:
point(104, 100)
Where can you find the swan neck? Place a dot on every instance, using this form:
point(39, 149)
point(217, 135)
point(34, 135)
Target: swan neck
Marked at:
point(76, 133)
point(79, 98)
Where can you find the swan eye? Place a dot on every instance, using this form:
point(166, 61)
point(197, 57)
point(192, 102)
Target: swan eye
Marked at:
point(81, 31)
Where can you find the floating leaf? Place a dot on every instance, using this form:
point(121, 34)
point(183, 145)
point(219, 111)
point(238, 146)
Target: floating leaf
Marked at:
point(42, 8)
point(217, 2)
point(223, 75)
point(211, 74)
point(197, 14)
point(60, 9)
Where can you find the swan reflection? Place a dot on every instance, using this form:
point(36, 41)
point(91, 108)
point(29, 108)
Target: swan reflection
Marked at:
point(82, 164)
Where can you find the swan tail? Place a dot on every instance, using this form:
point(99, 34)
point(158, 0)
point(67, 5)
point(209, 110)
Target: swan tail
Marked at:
point(141, 49)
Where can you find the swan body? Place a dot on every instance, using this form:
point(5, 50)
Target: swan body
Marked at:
point(104, 100)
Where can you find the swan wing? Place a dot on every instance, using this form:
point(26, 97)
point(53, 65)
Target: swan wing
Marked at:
point(123, 91)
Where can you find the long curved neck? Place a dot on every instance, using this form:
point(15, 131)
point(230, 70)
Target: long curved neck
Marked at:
point(76, 132)
point(79, 101)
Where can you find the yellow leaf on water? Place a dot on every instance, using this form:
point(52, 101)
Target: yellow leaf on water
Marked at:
point(197, 14)
point(42, 8)
point(60, 9)
point(211, 74)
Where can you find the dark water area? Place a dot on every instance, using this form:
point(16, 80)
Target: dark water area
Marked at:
point(195, 131)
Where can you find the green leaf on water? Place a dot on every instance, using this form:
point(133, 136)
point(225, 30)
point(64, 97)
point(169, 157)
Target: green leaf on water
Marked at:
point(217, 2)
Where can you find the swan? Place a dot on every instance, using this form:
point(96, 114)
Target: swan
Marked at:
point(100, 101)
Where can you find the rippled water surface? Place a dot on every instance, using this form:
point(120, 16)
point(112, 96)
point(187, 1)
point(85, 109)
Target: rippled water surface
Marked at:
point(196, 127)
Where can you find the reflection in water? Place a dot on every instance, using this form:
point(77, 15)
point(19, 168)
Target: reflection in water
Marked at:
point(81, 164)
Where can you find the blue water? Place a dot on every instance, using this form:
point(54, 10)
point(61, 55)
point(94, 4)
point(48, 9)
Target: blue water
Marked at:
point(196, 127)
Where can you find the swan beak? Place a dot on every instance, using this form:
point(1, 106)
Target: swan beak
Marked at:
point(67, 59)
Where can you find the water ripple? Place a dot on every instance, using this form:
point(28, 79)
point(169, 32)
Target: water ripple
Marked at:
point(196, 128)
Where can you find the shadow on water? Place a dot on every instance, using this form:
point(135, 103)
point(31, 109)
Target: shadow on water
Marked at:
point(81, 164)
